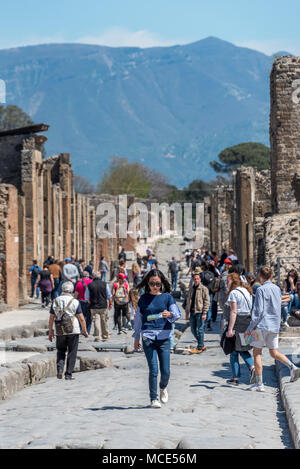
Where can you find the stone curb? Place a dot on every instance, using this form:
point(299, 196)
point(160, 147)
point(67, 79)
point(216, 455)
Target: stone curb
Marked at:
point(15, 376)
point(26, 331)
point(290, 395)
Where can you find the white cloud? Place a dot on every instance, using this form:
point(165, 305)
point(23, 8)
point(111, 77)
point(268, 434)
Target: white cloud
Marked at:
point(121, 37)
point(270, 46)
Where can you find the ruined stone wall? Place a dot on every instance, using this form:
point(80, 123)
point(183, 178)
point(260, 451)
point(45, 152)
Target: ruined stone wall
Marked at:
point(285, 134)
point(51, 218)
point(207, 226)
point(281, 229)
point(282, 240)
point(221, 206)
point(9, 247)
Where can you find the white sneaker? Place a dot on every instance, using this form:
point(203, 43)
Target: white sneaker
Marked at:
point(164, 396)
point(256, 387)
point(295, 374)
point(286, 324)
point(155, 404)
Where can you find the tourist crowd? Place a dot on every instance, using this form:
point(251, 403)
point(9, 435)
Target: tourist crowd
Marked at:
point(254, 309)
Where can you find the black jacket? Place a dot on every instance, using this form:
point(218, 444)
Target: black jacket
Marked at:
point(98, 295)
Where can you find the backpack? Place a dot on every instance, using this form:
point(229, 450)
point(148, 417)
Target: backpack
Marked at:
point(208, 279)
point(64, 325)
point(36, 270)
point(121, 295)
point(215, 287)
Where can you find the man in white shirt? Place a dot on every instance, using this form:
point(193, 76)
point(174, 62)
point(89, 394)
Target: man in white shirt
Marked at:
point(68, 342)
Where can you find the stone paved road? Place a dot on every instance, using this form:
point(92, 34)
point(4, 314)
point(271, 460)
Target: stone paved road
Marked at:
point(110, 407)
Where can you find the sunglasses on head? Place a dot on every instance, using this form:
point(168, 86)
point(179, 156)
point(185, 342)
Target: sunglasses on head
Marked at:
point(155, 284)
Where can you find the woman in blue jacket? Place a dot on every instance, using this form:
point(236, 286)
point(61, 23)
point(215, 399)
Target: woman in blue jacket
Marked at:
point(156, 312)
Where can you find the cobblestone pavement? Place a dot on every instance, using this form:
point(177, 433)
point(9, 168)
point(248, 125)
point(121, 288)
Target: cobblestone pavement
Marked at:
point(109, 408)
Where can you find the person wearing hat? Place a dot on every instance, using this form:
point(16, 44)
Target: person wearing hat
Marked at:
point(227, 262)
point(197, 307)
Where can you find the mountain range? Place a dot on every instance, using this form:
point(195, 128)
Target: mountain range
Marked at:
point(170, 108)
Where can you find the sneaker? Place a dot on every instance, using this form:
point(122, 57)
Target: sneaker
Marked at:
point(195, 351)
point(69, 377)
point(295, 373)
point(233, 381)
point(155, 404)
point(257, 387)
point(59, 375)
point(164, 396)
point(285, 324)
point(171, 350)
point(252, 377)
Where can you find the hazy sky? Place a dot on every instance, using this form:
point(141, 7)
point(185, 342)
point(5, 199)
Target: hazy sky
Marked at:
point(266, 25)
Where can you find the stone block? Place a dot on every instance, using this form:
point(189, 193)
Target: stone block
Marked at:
point(92, 361)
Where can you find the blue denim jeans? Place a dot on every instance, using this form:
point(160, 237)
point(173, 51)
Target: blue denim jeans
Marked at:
point(197, 328)
point(54, 293)
point(160, 349)
point(234, 361)
point(174, 281)
point(284, 313)
point(33, 280)
point(294, 301)
point(209, 314)
point(103, 275)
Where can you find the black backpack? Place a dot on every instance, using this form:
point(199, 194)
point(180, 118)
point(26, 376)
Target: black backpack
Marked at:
point(64, 325)
point(36, 270)
point(207, 278)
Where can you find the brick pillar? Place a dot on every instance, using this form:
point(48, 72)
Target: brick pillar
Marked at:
point(9, 246)
point(65, 176)
point(244, 197)
point(285, 134)
point(31, 187)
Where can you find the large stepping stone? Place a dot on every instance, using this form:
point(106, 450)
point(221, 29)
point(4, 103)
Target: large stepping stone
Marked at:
point(94, 361)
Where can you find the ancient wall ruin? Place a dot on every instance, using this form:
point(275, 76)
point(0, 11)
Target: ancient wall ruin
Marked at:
point(41, 215)
point(265, 220)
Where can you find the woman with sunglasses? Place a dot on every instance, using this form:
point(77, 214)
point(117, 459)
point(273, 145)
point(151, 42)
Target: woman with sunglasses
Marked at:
point(156, 312)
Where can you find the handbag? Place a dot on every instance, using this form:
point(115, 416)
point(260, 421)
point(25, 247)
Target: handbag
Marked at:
point(227, 343)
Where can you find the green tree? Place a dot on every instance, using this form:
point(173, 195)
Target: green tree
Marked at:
point(244, 154)
point(123, 177)
point(12, 117)
point(196, 190)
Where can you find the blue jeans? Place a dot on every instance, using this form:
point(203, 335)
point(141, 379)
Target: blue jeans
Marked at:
point(152, 350)
point(294, 301)
point(209, 314)
point(54, 293)
point(103, 275)
point(33, 280)
point(284, 313)
point(234, 361)
point(174, 281)
point(197, 328)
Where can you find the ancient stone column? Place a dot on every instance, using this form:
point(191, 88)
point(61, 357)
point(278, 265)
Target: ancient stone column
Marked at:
point(285, 134)
point(9, 247)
